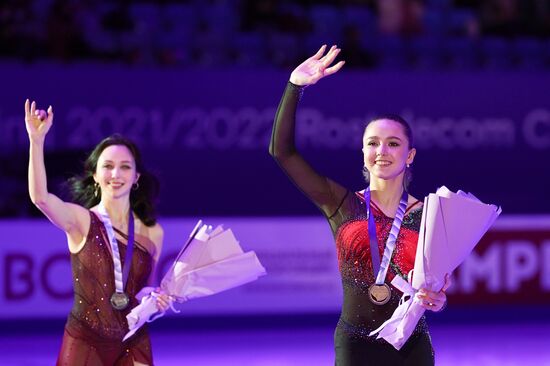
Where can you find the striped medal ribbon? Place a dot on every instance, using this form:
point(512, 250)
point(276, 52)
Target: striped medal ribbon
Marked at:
point(119, 299)
point(380, 292)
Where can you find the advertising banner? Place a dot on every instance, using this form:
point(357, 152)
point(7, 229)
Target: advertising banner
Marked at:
point(510, 266)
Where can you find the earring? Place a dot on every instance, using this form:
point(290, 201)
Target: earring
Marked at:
point(135, 186)
point(96, 190)
point(366, 174)
point(408, 165)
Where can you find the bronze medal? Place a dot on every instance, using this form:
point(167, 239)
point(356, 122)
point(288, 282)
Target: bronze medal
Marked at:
point(119, 300)
point(379, 294)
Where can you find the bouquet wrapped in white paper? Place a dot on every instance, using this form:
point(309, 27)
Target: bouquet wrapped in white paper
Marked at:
point(211, 261)
point(452, 224)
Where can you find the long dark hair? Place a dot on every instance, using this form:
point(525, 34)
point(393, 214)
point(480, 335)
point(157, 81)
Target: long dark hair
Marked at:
point(142, 199)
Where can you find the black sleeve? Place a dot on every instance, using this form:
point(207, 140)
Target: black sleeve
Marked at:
point(325, 193)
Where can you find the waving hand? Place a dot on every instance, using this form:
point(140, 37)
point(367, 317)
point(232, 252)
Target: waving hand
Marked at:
point(37, 121)
point(316, 67)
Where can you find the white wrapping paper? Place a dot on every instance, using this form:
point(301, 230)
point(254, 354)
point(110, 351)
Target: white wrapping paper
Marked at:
point(452, 224)
point(210, 262)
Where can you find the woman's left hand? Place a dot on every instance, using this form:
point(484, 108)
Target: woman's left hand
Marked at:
point(434, 301)
point(316, 67)
point(163, 300)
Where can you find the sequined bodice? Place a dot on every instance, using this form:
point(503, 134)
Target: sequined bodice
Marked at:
point(93, 282)
point(352, 241)
point(350, 227)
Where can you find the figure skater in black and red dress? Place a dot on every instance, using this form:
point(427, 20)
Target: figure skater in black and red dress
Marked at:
point(395, 216)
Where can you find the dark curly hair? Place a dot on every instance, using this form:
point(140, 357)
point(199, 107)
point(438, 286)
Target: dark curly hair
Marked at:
point(142, 199)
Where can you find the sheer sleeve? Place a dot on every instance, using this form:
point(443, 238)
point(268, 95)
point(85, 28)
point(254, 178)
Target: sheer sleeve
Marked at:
point(325, 193)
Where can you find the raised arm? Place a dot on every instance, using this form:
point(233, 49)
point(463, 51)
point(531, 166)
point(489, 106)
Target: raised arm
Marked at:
point(325, 193)
point(71, 218)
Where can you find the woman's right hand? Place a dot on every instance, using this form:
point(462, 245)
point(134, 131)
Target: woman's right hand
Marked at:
point(316, 67)
point(38, 122)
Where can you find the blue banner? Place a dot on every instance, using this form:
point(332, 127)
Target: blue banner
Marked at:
point(206, 132)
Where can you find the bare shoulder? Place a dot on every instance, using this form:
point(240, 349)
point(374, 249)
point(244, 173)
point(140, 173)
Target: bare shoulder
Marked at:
point(79, 231)
point(156, 234)
point(149, 237)
point(81, 214)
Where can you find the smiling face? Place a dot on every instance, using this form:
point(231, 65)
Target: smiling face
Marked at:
point(116, 171)
point(386, 151)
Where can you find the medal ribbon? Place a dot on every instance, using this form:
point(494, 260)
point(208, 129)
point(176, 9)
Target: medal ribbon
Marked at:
point(121, 276)
point(381, 266)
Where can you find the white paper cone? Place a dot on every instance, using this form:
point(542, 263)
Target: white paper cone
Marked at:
point(452, 224)
point(213, 261)
point(217, 277)
point(140, 314)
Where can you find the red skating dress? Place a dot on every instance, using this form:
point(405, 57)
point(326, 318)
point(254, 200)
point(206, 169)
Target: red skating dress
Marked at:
point(94, 329)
